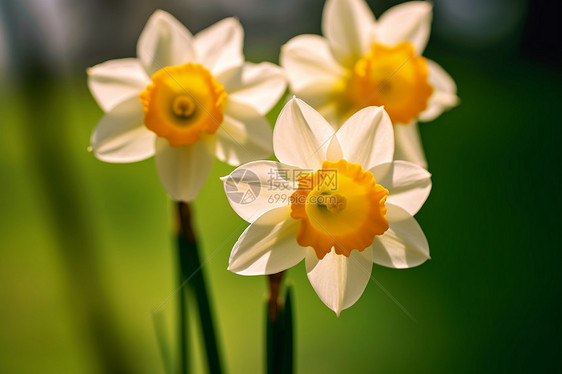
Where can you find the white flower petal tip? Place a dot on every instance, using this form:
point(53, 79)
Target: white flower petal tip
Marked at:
point(410, 21)
point(219, 47)
point(301, 135)
point(268, 245)
point(408, 184)
point(348, 26)
point(334, 152)
point(164, 41)
point(404, 244)
point(338, 280)
point(444, 95)
point(367, 137)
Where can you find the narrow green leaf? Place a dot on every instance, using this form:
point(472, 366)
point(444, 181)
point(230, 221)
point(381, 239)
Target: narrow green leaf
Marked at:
point(183, 328)
point(270, 337)
point(162, 340)
point(192, 272)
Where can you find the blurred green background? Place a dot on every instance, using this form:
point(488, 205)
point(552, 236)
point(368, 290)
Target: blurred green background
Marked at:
point(87, 250)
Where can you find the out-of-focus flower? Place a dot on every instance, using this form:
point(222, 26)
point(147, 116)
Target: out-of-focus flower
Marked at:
point(335, 199)
point(361, 62)
point(185, 99)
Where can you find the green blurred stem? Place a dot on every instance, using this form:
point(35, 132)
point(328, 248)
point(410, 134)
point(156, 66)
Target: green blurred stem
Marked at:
point(191, 272)
point(274, 282)
point(279, 329)
point(162, 340)
point(182, 322)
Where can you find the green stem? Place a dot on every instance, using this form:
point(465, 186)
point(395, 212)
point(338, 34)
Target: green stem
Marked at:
point(190, 265)
point(279, 329)
point(183, 337)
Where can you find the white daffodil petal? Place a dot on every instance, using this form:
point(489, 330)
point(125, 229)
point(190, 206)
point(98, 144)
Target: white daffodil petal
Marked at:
point(444, 92)
point(348, 25)
point(301, 136)
point(184, 170)
point(259, 186)
point(367, 137)
point(408, 184)
point(164, 41)
point(219, 47)
point(268, 245)
point(243, 138)
point(338, 280)
point(121, 136)
point(320, 95)
point(231, 79)
point(334, 152)
point(258, 85)
point(113, 81)
point(307, 59)
point(408, 144)
point(404, 244)
point(410, 22)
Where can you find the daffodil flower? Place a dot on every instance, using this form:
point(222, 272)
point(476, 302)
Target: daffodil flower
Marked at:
point(361, 62)
point(185, 99)
point(335, 199)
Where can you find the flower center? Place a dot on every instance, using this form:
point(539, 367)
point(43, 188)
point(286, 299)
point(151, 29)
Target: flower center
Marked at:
point(182, 103)
point(183, 106)
point(393, 77)
point(334, 203)
point(339, 206)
